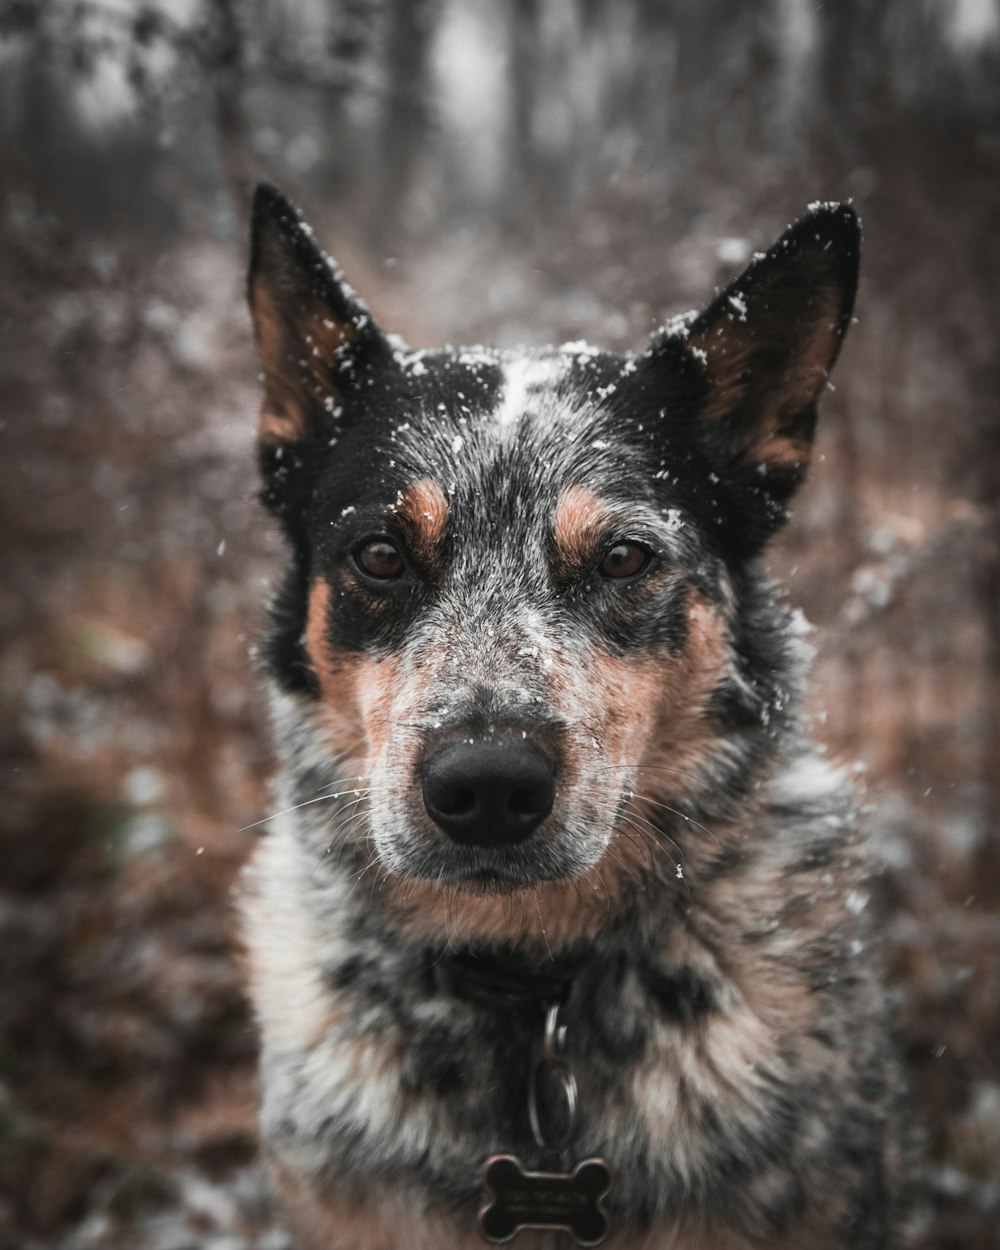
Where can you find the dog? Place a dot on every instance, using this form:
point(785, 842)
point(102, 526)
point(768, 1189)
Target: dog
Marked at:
point(560, 932)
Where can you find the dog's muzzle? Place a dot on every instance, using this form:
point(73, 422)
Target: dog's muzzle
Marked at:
point(488, 793)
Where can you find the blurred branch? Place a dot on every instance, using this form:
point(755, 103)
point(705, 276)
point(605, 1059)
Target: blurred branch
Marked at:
point(879, 586)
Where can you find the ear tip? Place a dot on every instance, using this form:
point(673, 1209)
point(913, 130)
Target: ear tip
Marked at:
point(833, 209)
point(279, 234)
point(271, 207)
point(831, 221)
point(267, 197)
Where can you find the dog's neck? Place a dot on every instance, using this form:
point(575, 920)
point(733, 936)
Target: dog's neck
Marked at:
point(502, 980)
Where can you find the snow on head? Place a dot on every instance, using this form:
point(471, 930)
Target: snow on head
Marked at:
point(523, 377)
point(579, 347)
point(679, 325)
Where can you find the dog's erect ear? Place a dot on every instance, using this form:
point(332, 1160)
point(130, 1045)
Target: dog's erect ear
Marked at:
point(314, 336)
point(767, 344)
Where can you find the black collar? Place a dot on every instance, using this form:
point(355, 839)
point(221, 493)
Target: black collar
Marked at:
point(503, 981)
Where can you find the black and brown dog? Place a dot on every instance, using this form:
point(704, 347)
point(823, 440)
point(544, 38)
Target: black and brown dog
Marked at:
point(560, 874)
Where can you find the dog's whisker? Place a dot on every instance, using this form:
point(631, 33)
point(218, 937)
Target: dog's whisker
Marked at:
point(342, 826)
point(630, 766)
point(640, 838)
point(614, 853)
point(375, 884)
point(676, 864)
point(541, 922)
point(334, 819)
point(654, 830)
point(346, 835)
point(321, 798)
point(367, 868)
point(690, 820)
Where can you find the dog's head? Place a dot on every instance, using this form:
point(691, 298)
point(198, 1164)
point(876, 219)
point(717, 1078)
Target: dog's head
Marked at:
point(522, 617)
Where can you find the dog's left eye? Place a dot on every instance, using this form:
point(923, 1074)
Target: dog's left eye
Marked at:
point(378, 558)
point(624, 560)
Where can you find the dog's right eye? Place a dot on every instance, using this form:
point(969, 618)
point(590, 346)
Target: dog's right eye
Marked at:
point(379, 559)
point(624, 561)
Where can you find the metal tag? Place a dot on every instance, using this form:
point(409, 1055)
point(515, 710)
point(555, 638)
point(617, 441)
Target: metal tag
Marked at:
point(569, 1202)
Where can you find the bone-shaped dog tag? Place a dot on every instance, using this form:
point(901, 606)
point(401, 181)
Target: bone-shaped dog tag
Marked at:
point(567, 1202)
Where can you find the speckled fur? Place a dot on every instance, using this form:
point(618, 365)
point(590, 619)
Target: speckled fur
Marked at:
point(701, 866)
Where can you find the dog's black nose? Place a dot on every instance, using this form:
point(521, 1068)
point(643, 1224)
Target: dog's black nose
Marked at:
point(488, 793)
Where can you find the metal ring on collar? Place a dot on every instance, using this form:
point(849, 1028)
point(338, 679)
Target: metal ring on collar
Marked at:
point(555, 1034)
point(567, 1083)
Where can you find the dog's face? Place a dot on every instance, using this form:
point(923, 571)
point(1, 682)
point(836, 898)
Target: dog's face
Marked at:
point(519, 615)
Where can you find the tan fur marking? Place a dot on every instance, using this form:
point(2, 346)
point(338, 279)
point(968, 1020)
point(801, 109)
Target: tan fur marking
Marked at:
point(296, 361)
point(275, 427)
point(577, 522)
point(682, 1068)
point(424, 511)
point(281, 416)
point(333, 672)
point(659, 730)
point(732, 351)
point(682, 736)
point(647, 716)
point(375, 686)
point(656, 726)
point(551, 914)
point(356, 690)
point(776, 988)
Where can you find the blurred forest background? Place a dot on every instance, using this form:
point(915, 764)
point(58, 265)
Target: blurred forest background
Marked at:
point(485, 170)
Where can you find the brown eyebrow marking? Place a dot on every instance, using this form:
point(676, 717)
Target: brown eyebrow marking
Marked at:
point(579, 517)
point(423, 509)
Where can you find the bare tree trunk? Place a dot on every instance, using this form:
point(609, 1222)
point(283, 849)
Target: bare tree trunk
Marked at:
point(525, 75)
point(226, 57)
point(405, 116)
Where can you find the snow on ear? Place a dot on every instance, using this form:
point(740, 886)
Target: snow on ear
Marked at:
point(313, 334)
point(768, 343)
